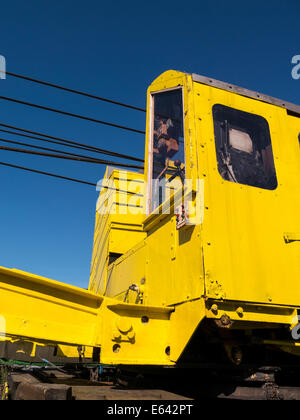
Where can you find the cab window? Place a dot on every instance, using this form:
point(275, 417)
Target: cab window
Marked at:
point(244, 149)
point(167, 146)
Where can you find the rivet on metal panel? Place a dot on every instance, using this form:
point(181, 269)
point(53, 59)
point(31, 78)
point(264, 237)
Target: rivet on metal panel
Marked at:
point(214, 309)
point(173, 245)
point(240, 311)
point(225, 320)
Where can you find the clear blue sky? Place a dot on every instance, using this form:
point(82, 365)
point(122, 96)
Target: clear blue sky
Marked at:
point(114, 49)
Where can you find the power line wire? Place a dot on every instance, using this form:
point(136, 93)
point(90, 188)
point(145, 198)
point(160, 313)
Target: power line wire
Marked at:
point(68, 178)
point(46, 148)
point(67, 143)
point(47, 173)
point(54, 155)
point(41, 82)
point(58, 111)
point(64, 142)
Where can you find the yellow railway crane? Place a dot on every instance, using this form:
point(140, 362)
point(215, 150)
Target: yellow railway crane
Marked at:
point(200, 259)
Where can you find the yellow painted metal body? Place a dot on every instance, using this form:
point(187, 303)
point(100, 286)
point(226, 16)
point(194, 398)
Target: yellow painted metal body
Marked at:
point(152, 284)
point(116, 230)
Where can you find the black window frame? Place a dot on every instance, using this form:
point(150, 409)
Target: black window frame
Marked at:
point(261, 159)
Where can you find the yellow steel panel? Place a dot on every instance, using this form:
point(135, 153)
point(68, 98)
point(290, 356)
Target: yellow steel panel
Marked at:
point(118, 222)
point(43, 309)
point(245, 255)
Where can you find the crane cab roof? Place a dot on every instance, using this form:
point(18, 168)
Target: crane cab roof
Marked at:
point(290, 107)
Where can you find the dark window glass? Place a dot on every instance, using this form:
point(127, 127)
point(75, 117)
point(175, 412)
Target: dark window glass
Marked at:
point(167, 145)
point(244, 149)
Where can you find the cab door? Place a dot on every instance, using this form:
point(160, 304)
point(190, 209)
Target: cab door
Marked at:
point(251, 199)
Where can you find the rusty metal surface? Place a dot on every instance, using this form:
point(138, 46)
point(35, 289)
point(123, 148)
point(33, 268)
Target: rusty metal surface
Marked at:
point(65, 386)
point(53, 384)
point(43, 392)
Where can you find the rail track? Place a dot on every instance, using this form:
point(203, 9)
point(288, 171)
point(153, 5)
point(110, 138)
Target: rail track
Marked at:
point(35, 383)
point(61, 383)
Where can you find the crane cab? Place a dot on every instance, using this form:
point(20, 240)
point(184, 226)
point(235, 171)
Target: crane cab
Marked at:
point(221, 206)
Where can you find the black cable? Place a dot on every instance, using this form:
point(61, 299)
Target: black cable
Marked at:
point(67, 178)
point(41, 82)
point(19, 76)
point(49, 149)
point(52, 141)
point(54, 155)
point(58, 111)
point(47, 173)
point(67, 143)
